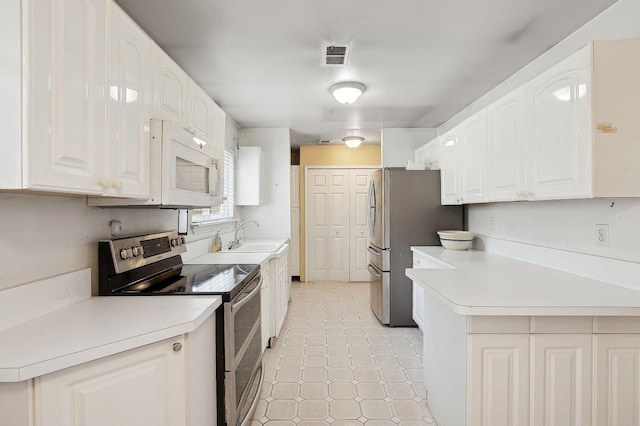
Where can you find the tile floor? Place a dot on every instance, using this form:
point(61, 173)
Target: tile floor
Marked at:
point(334, 363)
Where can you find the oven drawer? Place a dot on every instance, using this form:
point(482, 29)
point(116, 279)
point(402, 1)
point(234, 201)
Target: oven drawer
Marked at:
point(240, 382)
point(240, 317)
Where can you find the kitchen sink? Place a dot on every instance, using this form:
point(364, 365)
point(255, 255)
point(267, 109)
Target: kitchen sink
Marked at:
point(257, 248)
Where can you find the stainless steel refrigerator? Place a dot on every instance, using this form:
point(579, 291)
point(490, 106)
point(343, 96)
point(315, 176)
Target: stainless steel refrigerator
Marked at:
point(404, 211)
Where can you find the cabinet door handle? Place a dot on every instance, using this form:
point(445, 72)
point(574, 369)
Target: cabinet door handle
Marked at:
point(177, 347)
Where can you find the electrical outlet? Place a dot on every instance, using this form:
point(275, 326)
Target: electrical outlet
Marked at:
point(602, 234)
point(492, 223)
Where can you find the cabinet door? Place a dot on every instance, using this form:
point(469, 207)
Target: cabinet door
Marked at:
point(144, 386)
point(432, 154)
point(449, 170)
point(295, 186)
point(506, 150)
point(417, 308)
point(221, 127)
point(267, 304)
point(420, 154)
point(561, 367)
point(170, 90)
point(473, 170)
point(560, 132)
point(65, 95)
point(294, 252)
point(498, 379)
point(282, 290)
point(200, 113)
point(249, 176)
point(128, 106)
point(617, 380)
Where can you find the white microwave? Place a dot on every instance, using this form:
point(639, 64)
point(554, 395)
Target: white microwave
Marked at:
point(183, 174)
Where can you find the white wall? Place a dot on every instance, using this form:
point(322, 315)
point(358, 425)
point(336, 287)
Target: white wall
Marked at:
point(274, 215)
point(398, 145)
point(43, 236)
point(566, 225)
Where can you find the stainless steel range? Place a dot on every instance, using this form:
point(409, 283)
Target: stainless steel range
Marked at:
point(151, 265)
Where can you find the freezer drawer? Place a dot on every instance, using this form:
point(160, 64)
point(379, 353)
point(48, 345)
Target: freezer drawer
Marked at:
point(379, 293)
point(380, 258)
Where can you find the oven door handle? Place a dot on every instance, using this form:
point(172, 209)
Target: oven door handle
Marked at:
point(247, 297)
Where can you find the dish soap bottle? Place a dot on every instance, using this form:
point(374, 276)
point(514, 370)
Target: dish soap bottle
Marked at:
point(217, 243)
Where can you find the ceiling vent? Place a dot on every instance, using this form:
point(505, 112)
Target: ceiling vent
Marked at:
point(324, 142)
point(335, 55)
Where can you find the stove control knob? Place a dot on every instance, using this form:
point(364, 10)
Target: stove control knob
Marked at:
point(182, 241)
point(174, 242)
point(137, 251)
point(126, 253)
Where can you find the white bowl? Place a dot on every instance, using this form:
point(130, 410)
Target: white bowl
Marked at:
point(456, 240)
point(455, 244)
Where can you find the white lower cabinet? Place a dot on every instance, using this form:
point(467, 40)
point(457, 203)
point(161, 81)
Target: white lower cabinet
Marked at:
point(530, 371)
point(265, 304)
point(283, 288)
point(561, 366)
point(275, 293)
point(167, 383)
point(497, 379)
point(417, 305)
point(140, 386)
point(617, 379)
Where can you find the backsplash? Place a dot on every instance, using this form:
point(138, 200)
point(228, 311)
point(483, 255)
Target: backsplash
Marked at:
point(564, 224)
point(42, 236)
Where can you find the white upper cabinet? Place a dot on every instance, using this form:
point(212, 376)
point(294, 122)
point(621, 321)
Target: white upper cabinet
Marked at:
point(179, 99)
point(170, 90)
point(450, 160)
point(64, 77)
point(473, 158)
point(507, 159)
point(615, 110)
point(560, 130)
point(432, 154)
point(570, 132)
point(128, 106)
point(462, 161)
point(85, 103)
point(249, 185)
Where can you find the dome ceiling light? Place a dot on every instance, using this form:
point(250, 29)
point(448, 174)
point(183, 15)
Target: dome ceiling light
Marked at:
point(353, 141)
point(347, 92)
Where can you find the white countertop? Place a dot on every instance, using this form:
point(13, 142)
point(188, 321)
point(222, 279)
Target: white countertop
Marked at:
point(487, 284)
point(94, 328)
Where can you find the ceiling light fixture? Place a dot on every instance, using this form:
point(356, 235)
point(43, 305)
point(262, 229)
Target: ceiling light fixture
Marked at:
point(347, 92)
point(353, 141)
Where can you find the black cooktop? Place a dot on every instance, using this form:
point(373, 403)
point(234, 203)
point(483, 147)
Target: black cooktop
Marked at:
point(226, 281)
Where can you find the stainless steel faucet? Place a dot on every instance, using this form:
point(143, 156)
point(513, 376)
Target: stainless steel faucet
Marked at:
point(236, 241)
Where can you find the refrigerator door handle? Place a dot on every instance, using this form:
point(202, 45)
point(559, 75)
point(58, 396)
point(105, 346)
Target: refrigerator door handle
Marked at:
point(371, 197)
point(374, 251)
point(373, 271)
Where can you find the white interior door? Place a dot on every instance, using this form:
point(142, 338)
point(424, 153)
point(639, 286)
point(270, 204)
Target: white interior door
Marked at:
point(328, 224)
point(359, 231)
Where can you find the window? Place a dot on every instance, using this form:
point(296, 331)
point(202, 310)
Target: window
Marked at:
point(225, 209)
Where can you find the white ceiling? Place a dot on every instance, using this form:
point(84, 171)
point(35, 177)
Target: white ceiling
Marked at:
point(421, 60)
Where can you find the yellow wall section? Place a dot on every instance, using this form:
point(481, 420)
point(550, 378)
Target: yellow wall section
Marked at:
point(330, 156)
